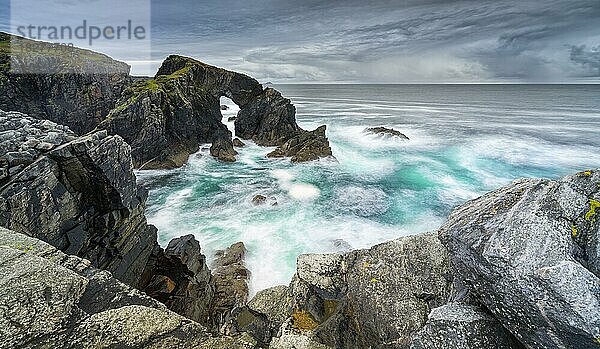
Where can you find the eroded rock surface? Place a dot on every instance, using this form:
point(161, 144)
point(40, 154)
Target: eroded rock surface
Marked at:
point(231, 280)
point(78, 194)
point(529, 253)
point(305, 146)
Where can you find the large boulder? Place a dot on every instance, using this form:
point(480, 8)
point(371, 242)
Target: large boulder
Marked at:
point(275, 303)
point(370, 298)
point(463, 326)
point(69, 86)
point(78, 194)
point(53, 300)
point(529, 253)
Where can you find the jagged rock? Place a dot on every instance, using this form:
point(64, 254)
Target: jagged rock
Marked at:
point(386, 132)
point(81, 196)
point(529, 253)
point(306, 146)
point(245, 320)
point(461, 326)
point(238, 143)
point(290, 338)
point(179, 278)
point(231, 280)
point(224, 107)
point(55, 300)
point(275, 303)
point(368, 298)
point(222, 149)
point(77, 89)
point(167, 118)
point(269, 119)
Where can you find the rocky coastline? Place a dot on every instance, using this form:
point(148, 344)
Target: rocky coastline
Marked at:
point(80, 267)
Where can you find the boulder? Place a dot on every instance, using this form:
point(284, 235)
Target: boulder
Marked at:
point(54, 300)
point(238, 143)
point(463, 326)
point(306, 146)
point(222, 149)
point(245, 320)
point(275, 303)
point(179, 278)
point(384, 131)
point(231, 281)
point(368, 298)
point(76, 89)
point(259, 200)
point(529, 253)
point(80, 194)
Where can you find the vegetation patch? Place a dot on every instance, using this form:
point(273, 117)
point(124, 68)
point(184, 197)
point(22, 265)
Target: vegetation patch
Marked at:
point(302, 320)
point(590, 216)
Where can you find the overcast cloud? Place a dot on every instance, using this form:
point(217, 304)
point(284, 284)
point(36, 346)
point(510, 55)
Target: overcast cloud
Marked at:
point(386, 41)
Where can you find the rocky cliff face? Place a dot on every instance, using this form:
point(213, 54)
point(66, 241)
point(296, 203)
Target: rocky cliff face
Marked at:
point(69, 86)
point(78, 194)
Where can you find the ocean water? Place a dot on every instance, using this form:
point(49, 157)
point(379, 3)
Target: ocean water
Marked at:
point(465, 140)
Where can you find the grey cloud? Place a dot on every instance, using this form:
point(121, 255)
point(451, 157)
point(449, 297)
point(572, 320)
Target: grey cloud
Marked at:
point(587, 57)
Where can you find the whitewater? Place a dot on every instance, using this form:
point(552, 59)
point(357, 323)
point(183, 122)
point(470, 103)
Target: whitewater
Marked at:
point(465, 140)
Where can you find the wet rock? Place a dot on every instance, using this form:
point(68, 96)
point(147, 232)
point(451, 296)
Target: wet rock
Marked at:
point(224, 107)
point(76, 89)
point(461, 326)
point(386, 132)
point(231, 118)
point(231, 280)
point(306, 146)
point(275, 303)
point(367, 298)
point(222, 149)
point(179, 278)
point(81, 196)
point(259, 200)
point(55, 300)
point(529, 253)
point(238, 143)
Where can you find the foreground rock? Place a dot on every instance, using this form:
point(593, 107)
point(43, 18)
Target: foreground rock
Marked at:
point(306, 146)
point(369, 298)
point(54, 300)
point(384, 131)
point(78, 194)
point(76, 87)
point(529, 253)
point(462, 326)
point(179, 278)
point(231, 282)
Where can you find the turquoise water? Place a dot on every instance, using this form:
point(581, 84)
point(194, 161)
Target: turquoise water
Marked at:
point(464, 141)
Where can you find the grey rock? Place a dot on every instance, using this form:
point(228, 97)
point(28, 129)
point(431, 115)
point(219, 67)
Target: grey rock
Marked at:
point(377, 297)
point(275, 303)
point(305, 146)
point(81, 196)
point(529, 253)
point(50, 299)
point(461, 326)
point(245, 320)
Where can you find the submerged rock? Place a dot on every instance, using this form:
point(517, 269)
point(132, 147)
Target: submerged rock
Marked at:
point(386, 132)
point(529, 253)
point(259, 200)
point(306, 146)
point(224, 107)
point(231, 118)
point(80, 194)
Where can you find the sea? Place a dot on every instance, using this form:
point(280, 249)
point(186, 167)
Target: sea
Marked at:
point(464, 140)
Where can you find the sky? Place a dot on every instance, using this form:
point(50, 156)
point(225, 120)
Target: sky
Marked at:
point(378, 41)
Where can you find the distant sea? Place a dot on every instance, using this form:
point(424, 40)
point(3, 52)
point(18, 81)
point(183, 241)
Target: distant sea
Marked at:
point(465, 140)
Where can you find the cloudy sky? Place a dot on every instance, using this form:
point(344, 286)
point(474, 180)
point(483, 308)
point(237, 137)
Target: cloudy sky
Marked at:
point(380, 41)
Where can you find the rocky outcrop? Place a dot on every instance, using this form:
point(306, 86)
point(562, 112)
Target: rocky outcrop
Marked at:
point(305, 146)
point(231, 282)
point(529, 253)
point(54, 300)
point(179, 278)
point(275, 303)
point(238, 143)
point(384, 131)
point(370, 298)
point(78, 194)
point(463, 326)
point(67, 85)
